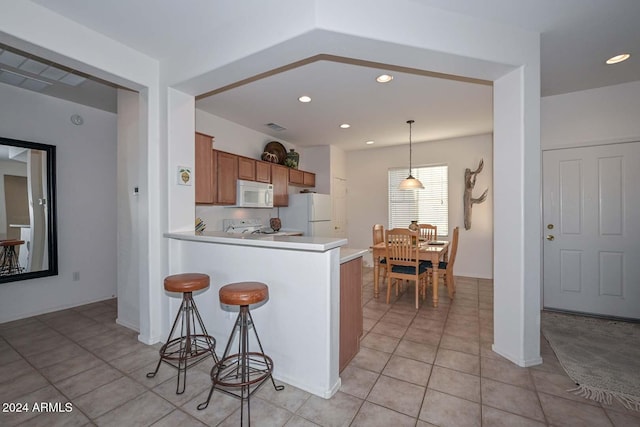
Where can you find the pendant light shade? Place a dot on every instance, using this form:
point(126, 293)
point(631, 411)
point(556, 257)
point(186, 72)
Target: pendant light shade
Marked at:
point(410, 183)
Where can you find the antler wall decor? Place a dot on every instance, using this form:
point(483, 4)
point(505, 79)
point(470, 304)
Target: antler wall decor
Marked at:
point(469, 183)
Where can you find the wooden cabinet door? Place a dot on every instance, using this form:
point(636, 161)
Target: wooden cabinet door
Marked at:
point(309, 179)
point(226, 177)
point(204, 169)
point(263, 171)
point(302, 178)
point(280, 181)
point(296, 177)
point(351, 327)
point(246, 168)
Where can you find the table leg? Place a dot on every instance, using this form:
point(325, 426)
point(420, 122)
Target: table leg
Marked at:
point(434, 279)
point(376, 272)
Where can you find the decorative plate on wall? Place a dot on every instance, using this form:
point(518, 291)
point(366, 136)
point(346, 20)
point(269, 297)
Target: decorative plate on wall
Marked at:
point(274, 147)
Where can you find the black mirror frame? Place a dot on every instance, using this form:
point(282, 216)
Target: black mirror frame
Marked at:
point(52, 233)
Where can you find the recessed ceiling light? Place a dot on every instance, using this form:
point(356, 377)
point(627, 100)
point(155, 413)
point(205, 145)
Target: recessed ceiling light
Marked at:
point(345, 126)
point(370, 142)
point(384, 78)
point(304, 98)
point(618, 58)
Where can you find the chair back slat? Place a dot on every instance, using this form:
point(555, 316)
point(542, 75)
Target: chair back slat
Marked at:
point(428, 231)
point(402, 248)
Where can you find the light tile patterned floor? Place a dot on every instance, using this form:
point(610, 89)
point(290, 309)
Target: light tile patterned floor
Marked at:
point(426, 367)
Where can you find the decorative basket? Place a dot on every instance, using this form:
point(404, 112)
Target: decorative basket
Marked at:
point(270, 157)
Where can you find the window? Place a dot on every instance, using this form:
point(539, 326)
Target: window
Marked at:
point(428, 206)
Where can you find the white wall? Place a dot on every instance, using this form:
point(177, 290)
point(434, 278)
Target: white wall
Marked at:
point(86, 194)
point(33, 28)
point(318, 159)
point(596, 116)
point(367, 205)
point(516, 162)
point(129, 157)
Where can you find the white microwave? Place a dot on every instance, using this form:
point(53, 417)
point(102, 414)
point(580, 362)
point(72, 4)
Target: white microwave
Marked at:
point(253, 194)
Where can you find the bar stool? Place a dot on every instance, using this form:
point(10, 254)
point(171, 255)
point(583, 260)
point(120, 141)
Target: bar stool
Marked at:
point(9, 258)
point(189, 348)
point(245, 369)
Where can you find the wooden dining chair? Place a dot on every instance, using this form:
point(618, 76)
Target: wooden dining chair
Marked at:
point(447, 266)
point(403, 261)
point(428, 232)
point(378, 237)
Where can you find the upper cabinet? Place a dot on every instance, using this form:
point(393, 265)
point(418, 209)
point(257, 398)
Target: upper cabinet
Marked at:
point(254, 170)
point(301, 178)
point(246, 168)
point(280, 181)
point(204, 169)
point(263, 171)
point(226, 177)
point(309, 179)
point(217, 173)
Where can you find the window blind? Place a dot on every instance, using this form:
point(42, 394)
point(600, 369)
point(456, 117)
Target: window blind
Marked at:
point(427, 206)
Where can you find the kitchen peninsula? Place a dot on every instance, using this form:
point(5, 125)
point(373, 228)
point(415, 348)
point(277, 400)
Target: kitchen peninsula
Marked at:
point(299, 326)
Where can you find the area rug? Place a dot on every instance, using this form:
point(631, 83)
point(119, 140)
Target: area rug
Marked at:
point(601, 356)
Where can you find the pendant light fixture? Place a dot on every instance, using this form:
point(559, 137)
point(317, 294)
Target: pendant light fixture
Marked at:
point(410, 183)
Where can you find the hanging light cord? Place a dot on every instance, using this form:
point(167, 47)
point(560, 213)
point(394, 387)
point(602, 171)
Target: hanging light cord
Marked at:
point(410, 122)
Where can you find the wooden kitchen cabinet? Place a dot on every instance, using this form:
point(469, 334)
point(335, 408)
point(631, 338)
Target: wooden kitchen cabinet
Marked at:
point(351, 327)
point(204, 169)
point(246, 168)
point(300, 178)
point(225, 177)
point(309, 179)
point(263, 171)
point(296, 177)
point(280, 181)
point(254, 170)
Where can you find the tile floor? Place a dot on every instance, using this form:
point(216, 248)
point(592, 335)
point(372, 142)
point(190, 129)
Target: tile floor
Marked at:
point(426, 367)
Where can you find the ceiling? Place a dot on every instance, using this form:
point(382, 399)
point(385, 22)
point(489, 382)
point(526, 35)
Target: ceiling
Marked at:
point(27, 71)
point(576, 37)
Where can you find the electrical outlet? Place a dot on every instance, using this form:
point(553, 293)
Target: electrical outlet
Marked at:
point(76, 276)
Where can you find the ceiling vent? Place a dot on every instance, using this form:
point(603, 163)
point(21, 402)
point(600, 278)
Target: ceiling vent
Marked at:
point(275, 126)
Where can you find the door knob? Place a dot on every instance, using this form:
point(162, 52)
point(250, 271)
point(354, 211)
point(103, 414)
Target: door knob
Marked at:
point(550, 237)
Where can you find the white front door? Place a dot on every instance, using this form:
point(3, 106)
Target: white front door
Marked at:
point(591, 213)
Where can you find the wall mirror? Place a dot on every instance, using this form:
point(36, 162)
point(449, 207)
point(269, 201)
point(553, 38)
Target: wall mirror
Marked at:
point(28, 246)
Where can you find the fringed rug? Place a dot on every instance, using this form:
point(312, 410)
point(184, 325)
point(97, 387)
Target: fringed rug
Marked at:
point(601, 356)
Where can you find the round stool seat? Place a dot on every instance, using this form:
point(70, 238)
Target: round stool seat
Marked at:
point(186, 282)
point(244, 293)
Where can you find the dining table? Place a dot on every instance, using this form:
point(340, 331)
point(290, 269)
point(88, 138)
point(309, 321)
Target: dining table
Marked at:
point(434, 251)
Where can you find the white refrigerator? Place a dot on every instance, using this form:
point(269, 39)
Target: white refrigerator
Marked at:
point(309, 213)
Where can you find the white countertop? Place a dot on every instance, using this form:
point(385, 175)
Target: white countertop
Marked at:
point(302, 243)
point(349, 254)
